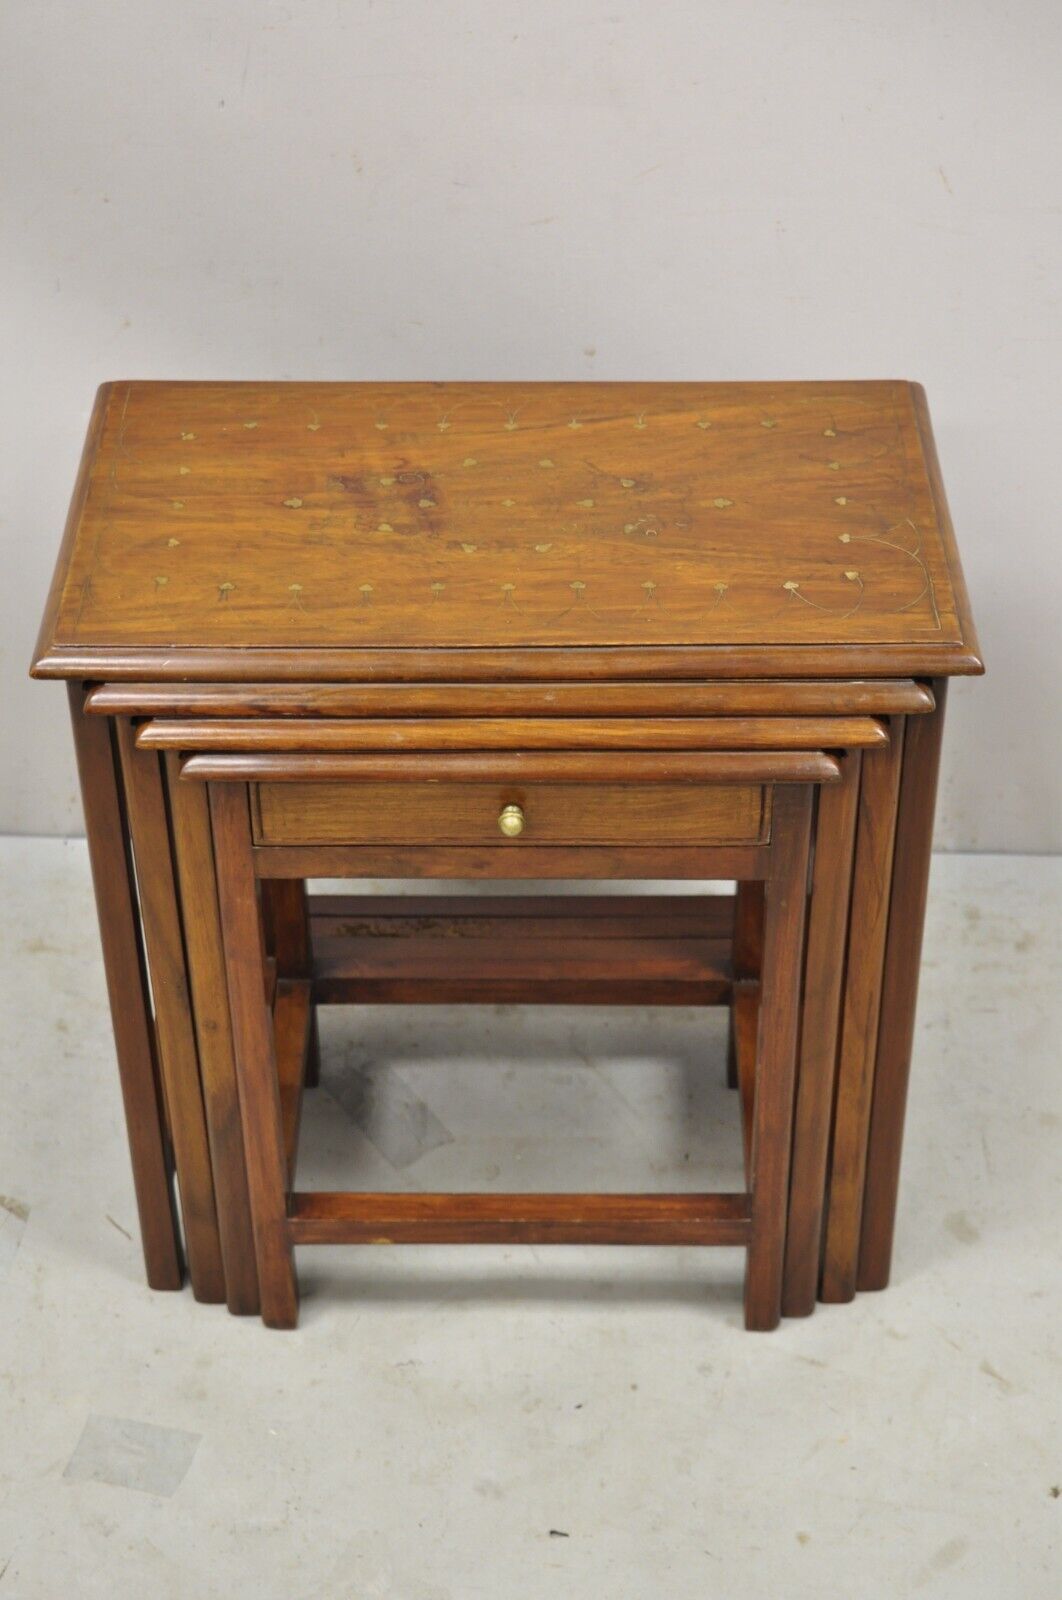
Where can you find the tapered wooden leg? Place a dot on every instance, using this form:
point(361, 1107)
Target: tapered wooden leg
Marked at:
point(831, 883)
point(746, 956)
point(868, 920)
point(127, 989)
point(194, 854)
point(253, 1043)
point(287, 919)
point(903, 954)
point(772, 1126)
point(164, 944)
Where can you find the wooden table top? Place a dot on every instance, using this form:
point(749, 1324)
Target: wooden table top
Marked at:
point(346, 531)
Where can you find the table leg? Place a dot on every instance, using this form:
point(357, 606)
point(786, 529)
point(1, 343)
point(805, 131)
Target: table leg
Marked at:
point(127, 989)
point(164, 943)
point(772, 1126)
point(286, 914)
point(197, 884)
point(903, 954)
point(875, 836)
point(254, 1046)
point(746, 956)
point(831, 884)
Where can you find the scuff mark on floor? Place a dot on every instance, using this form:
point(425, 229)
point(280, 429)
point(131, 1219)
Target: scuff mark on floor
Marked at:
point(997, 1377)
point(14, 1215)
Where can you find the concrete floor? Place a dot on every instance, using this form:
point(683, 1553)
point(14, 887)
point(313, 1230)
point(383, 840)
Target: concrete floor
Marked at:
point(518, 1423)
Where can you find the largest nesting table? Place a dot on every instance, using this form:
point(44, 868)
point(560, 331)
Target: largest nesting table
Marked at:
point(509, 631)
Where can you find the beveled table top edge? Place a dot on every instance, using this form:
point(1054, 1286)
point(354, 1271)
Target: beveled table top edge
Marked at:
point(575, 664)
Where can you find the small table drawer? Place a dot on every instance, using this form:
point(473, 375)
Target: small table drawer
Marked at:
point(469, 813)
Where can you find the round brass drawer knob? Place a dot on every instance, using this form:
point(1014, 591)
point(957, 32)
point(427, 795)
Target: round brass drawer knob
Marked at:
point(511, 821)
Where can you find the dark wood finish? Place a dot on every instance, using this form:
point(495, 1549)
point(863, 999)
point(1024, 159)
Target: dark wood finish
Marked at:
point(253, 1043)
point(903, 955)
point(772, 1121)
point(831, 884)
point(748, 929)
point(537, 949)
point(175, 1030)
point(745, 1020)
point(269, 1095)
point(539, 664)
point(748, 954)
point(467, 813)
point(601, 602)
point(597, 862)
point(709, 915)
point(351, 1218)
point(285, 915)
point(544, 766)
point(875, 697)
point(127, 990)
point(318, 530)
point(875, 838)
point(201, 921)
point(515, 733)
point(293, 1032)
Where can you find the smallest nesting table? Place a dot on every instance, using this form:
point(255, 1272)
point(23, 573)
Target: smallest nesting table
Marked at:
point(534, 631)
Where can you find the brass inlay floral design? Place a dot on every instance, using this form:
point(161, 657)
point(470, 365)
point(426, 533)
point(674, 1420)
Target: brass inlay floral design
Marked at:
point(915, 555)
point(794, 590)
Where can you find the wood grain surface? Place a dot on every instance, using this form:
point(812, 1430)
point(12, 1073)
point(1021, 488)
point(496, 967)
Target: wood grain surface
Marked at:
point(467, 813)
point(677, 699)
point(514, 733)
point(322, 521)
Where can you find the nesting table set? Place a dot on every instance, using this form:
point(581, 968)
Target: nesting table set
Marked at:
point(509, 631)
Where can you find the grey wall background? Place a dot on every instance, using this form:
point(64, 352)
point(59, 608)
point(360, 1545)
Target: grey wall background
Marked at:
point(556, 189)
